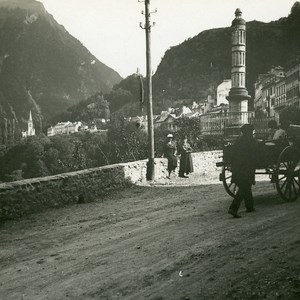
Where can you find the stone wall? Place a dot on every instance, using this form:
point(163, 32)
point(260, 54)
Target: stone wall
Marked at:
point(27, 196)
point(205, 164)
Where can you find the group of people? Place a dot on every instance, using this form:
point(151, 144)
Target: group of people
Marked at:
point(243, 164)
point(170, 152)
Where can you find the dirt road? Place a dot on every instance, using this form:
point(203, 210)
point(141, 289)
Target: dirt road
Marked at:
point(155, 242)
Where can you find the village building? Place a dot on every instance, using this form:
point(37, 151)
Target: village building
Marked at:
point(280, 95)
point(166, 120)
point(293, 84)
point(265, 91)
point(65, 128)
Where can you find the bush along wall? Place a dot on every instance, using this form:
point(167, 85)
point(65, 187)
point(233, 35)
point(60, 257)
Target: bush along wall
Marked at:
point(39, 156)
point(32, 195)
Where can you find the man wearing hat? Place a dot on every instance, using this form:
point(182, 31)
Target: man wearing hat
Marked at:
point(243, 170)
point(170, 151)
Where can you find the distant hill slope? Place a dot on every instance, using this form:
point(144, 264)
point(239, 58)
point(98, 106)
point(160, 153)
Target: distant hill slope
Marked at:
point(194, 69)
point(43, 67)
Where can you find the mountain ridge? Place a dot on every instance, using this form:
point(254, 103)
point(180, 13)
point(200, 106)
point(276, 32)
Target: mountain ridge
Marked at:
point(42, 67)
point(194, 68)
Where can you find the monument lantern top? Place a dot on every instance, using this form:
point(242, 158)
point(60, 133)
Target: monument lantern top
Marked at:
point(238, 18)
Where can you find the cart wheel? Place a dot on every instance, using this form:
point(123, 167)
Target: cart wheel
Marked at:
point(287, 174)
point(231, 188)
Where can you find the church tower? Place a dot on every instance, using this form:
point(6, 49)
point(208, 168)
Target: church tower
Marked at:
point(30, 129)
point(238, 95)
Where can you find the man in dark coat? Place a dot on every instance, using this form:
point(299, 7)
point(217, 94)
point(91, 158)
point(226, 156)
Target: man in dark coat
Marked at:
point(243, 170)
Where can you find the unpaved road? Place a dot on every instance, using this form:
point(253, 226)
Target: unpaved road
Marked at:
point(155, 242)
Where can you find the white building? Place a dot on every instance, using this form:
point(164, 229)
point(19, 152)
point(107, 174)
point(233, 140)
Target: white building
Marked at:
point(65, 128)
point(223, 91)
point(30, 130)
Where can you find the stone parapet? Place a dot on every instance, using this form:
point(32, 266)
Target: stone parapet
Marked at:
point(32, 195)
point(205, 163)
point(23, 197)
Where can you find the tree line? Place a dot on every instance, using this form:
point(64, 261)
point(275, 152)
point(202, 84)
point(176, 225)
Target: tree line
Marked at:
point(39, 156)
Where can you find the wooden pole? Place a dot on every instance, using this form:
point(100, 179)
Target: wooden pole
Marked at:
point(142, 96)
point(150, 165)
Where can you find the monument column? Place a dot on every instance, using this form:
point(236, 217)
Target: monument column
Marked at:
point(238, 95)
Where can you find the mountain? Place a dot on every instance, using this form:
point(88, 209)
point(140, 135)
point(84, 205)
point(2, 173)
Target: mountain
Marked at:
point(42, 67)
point(195, 68)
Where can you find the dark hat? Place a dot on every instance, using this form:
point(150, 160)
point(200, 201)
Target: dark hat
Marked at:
point(272, 124)
point(247, 128)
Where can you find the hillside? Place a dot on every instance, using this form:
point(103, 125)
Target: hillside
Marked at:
point(43, 67)
point(194, 69)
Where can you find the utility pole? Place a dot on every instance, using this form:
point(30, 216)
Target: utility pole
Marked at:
point(147, 28)
point(142, 93)
point(142, 96)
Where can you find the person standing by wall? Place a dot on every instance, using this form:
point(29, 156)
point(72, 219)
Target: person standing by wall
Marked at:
point(243, 170)
point(186, 162)
point(170, 151)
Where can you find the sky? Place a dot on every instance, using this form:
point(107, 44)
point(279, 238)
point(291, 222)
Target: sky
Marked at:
point(110, 29)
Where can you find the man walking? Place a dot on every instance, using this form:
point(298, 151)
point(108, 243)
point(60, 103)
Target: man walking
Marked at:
point(243, 170)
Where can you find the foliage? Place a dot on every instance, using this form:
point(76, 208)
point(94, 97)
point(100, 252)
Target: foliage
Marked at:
point(191, 129)
point(41, 156)
point(126, 142)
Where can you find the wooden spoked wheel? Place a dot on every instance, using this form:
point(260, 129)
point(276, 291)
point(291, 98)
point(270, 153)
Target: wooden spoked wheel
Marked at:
point(226, 175)
point(287, 174)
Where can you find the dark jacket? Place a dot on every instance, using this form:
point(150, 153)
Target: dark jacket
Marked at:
point(169, 152)
point(243, 160)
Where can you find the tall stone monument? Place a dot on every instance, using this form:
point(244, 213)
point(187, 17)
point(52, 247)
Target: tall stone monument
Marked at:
point(238, 95)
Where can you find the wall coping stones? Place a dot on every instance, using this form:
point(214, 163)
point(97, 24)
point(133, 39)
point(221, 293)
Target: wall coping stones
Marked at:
point(26, 196)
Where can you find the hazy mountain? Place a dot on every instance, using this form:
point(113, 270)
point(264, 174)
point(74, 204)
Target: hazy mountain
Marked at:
point(43, 67)
point(194, 69)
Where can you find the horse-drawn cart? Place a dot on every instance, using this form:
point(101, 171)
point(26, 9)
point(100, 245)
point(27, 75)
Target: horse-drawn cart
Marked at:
point(280, 160)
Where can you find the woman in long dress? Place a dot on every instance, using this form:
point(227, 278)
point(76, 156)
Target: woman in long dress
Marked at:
point(186, 162)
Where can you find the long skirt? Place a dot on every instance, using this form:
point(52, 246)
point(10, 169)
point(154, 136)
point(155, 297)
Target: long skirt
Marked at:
point(172, 162)
point(186, 164)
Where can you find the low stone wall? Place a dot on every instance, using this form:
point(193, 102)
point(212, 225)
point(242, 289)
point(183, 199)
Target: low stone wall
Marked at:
point(205, 162)
point(205, 166)
point(27, 196)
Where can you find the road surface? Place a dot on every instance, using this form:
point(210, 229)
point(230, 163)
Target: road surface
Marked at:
point(157, 241)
